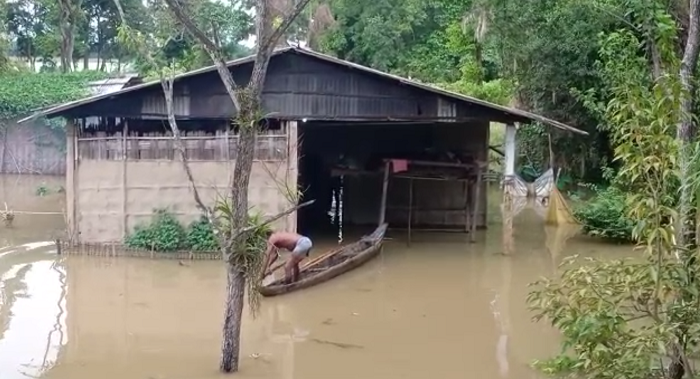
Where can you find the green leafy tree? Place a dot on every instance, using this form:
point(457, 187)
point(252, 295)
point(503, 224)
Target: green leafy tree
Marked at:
point(634, 318)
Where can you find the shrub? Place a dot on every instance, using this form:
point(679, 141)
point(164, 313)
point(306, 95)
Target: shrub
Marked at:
point(163, 233)
point(605, 215)
point(201, 237)
point(166, 234)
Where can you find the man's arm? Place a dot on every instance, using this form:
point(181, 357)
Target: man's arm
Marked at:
point(269, 260)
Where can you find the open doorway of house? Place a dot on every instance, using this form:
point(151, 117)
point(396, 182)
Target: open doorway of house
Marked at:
point(341, 166)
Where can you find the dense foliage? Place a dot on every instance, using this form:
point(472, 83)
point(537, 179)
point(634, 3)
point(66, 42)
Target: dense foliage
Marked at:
point(165, 233)
point(24, 92)
point(636, 318)
point(605, 215)
point(534, 55)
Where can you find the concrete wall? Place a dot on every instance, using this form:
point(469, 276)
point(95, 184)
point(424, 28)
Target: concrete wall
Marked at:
point(105, 204)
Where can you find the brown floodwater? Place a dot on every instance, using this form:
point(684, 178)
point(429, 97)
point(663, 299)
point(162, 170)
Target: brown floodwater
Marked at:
point(440, 308)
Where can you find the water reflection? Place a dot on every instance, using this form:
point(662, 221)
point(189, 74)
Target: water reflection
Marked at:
point(32, 311)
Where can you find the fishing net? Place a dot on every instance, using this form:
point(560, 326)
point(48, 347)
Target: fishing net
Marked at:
point(545, 199)
point(558, 210)
point(543, 196)
point(557, 235)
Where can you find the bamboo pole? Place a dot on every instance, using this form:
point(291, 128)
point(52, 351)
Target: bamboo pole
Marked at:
point(385, 188)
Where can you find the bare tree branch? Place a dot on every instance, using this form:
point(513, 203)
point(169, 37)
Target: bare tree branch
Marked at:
point(177, 9)
point(287, 21)
point(269, 221)
point(167, 84)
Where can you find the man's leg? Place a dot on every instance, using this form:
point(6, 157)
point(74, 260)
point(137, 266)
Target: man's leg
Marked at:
point(296, 271)
point(291, 269)
point(300, 252)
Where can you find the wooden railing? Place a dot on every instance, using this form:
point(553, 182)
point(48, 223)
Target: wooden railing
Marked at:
point(158, 146)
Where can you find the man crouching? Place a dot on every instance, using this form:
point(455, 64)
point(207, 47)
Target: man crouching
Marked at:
point(299, 245)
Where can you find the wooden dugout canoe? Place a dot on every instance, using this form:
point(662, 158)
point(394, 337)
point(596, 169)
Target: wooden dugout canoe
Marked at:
point(331, 264)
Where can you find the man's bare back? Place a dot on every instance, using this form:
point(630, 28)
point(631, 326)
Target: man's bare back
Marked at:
point(284, 240)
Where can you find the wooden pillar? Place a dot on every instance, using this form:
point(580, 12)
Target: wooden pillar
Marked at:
point(385, 189)
point(292, 169)
point(71, 181)
point(466, 187)
point(476, 201)
point(508, 178)
point(125, 190)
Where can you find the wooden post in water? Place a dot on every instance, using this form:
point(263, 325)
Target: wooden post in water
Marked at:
point(71, 180)
point(467, 190)
point(508, 178)
point(476, 201)
point(385, 189)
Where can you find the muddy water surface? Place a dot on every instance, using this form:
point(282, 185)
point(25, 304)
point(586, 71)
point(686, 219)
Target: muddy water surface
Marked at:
point(439, 308)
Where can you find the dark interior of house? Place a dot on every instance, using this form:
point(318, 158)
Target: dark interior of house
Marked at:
point(341, 166)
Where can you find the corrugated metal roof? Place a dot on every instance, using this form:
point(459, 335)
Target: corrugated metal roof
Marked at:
point(109, 85)
point(517, 114)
